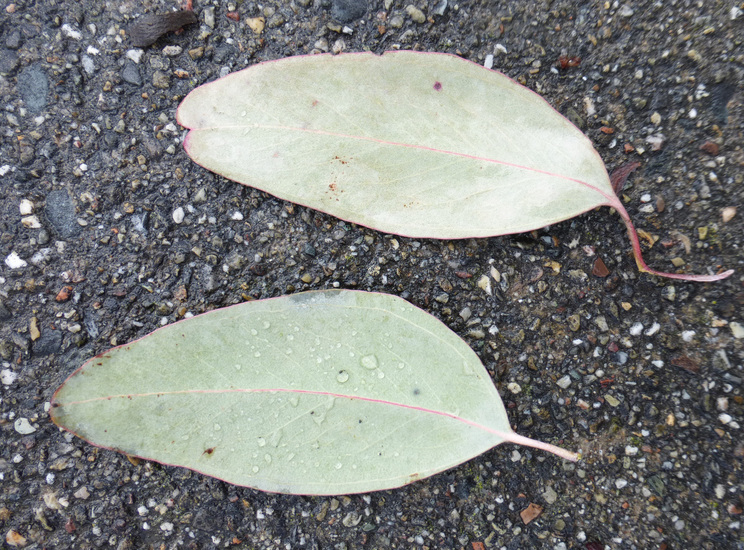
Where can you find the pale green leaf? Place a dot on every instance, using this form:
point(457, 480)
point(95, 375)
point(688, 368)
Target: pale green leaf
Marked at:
point(324, 392)
point(416, 144)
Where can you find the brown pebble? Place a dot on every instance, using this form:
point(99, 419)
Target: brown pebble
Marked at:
point(147, 29)
point(531, 512)
point(600, 269)
point(710, 147)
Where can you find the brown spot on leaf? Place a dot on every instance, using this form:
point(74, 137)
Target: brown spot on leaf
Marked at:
point(437, 86)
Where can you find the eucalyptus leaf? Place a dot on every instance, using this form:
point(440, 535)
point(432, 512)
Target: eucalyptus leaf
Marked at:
point(416, 144)
point(326, 392)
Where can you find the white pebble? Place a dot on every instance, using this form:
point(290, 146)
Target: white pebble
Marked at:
point(636, 329)
point(514, 387)
point(7, 377)
point(653, 330)
point(88, 65)
point(32, 222)
point(23, 426)
point(178, 215)
point(135, 55)
point(166, 526)
point(620, 483)
point(70, 32)
point(688, 335)
point(724, 418)
point(50, 478)
point(172, 50)
point(26, 207)
point(237, 216)
point(142, 510)
point(631, 450)
point(488, 63)
point(14, 261)
point(564, 381)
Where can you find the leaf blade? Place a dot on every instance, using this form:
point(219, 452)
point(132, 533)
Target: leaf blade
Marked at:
point(341, 152)
point(412, 401)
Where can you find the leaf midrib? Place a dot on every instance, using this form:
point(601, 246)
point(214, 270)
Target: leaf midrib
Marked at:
point(610, 199)
point(498, 433)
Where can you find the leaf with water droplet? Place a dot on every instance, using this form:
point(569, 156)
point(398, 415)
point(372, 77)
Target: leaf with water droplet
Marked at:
point(180, 387)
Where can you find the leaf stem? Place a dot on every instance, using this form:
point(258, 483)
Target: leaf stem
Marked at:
point(527, 442)
point(644, 268)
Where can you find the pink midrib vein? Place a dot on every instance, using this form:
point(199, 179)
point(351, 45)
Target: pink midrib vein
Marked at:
point(611, 199)
point(505, 435)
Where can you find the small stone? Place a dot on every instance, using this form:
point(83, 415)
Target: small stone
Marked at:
point(531, 513)
point(550, 495)
point(669, 293)
point(465, 313)
point(621, 483)
point(484, 283)
point(15, 539)
point(415, 14)
point(728, 213)
point(612, 401)
point(60, 211)
point(564, 381)
point(306, 278)
point(160, 80)
point(656, 118)
point(737, 330)
point(33, 87)
point(23, 426)
point(26, 207)
point(574, 322)
point(710, 147)
point(514, 387)
point(346, 11)
point(695, 56)
point(31, 222)
point(7, 377)
point(209, 17)
point(178, 215)
point(82, 493)
point(601, 323)
point(33, 330)
point(14, 261)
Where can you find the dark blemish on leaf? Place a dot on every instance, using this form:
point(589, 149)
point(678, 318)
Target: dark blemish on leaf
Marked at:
point(360, 420)
point(146, 30)
point(208, 451)
point(437, 85)
point(416, 391)
point(55, 405)
point(315, 102)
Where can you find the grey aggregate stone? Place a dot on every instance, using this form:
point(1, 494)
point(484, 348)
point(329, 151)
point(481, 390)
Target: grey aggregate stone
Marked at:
point(346, 11)
point(60, 211)
point(33, 87)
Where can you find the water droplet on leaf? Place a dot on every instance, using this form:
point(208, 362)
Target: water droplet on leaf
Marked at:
point(369, 362)
point(342, 376)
